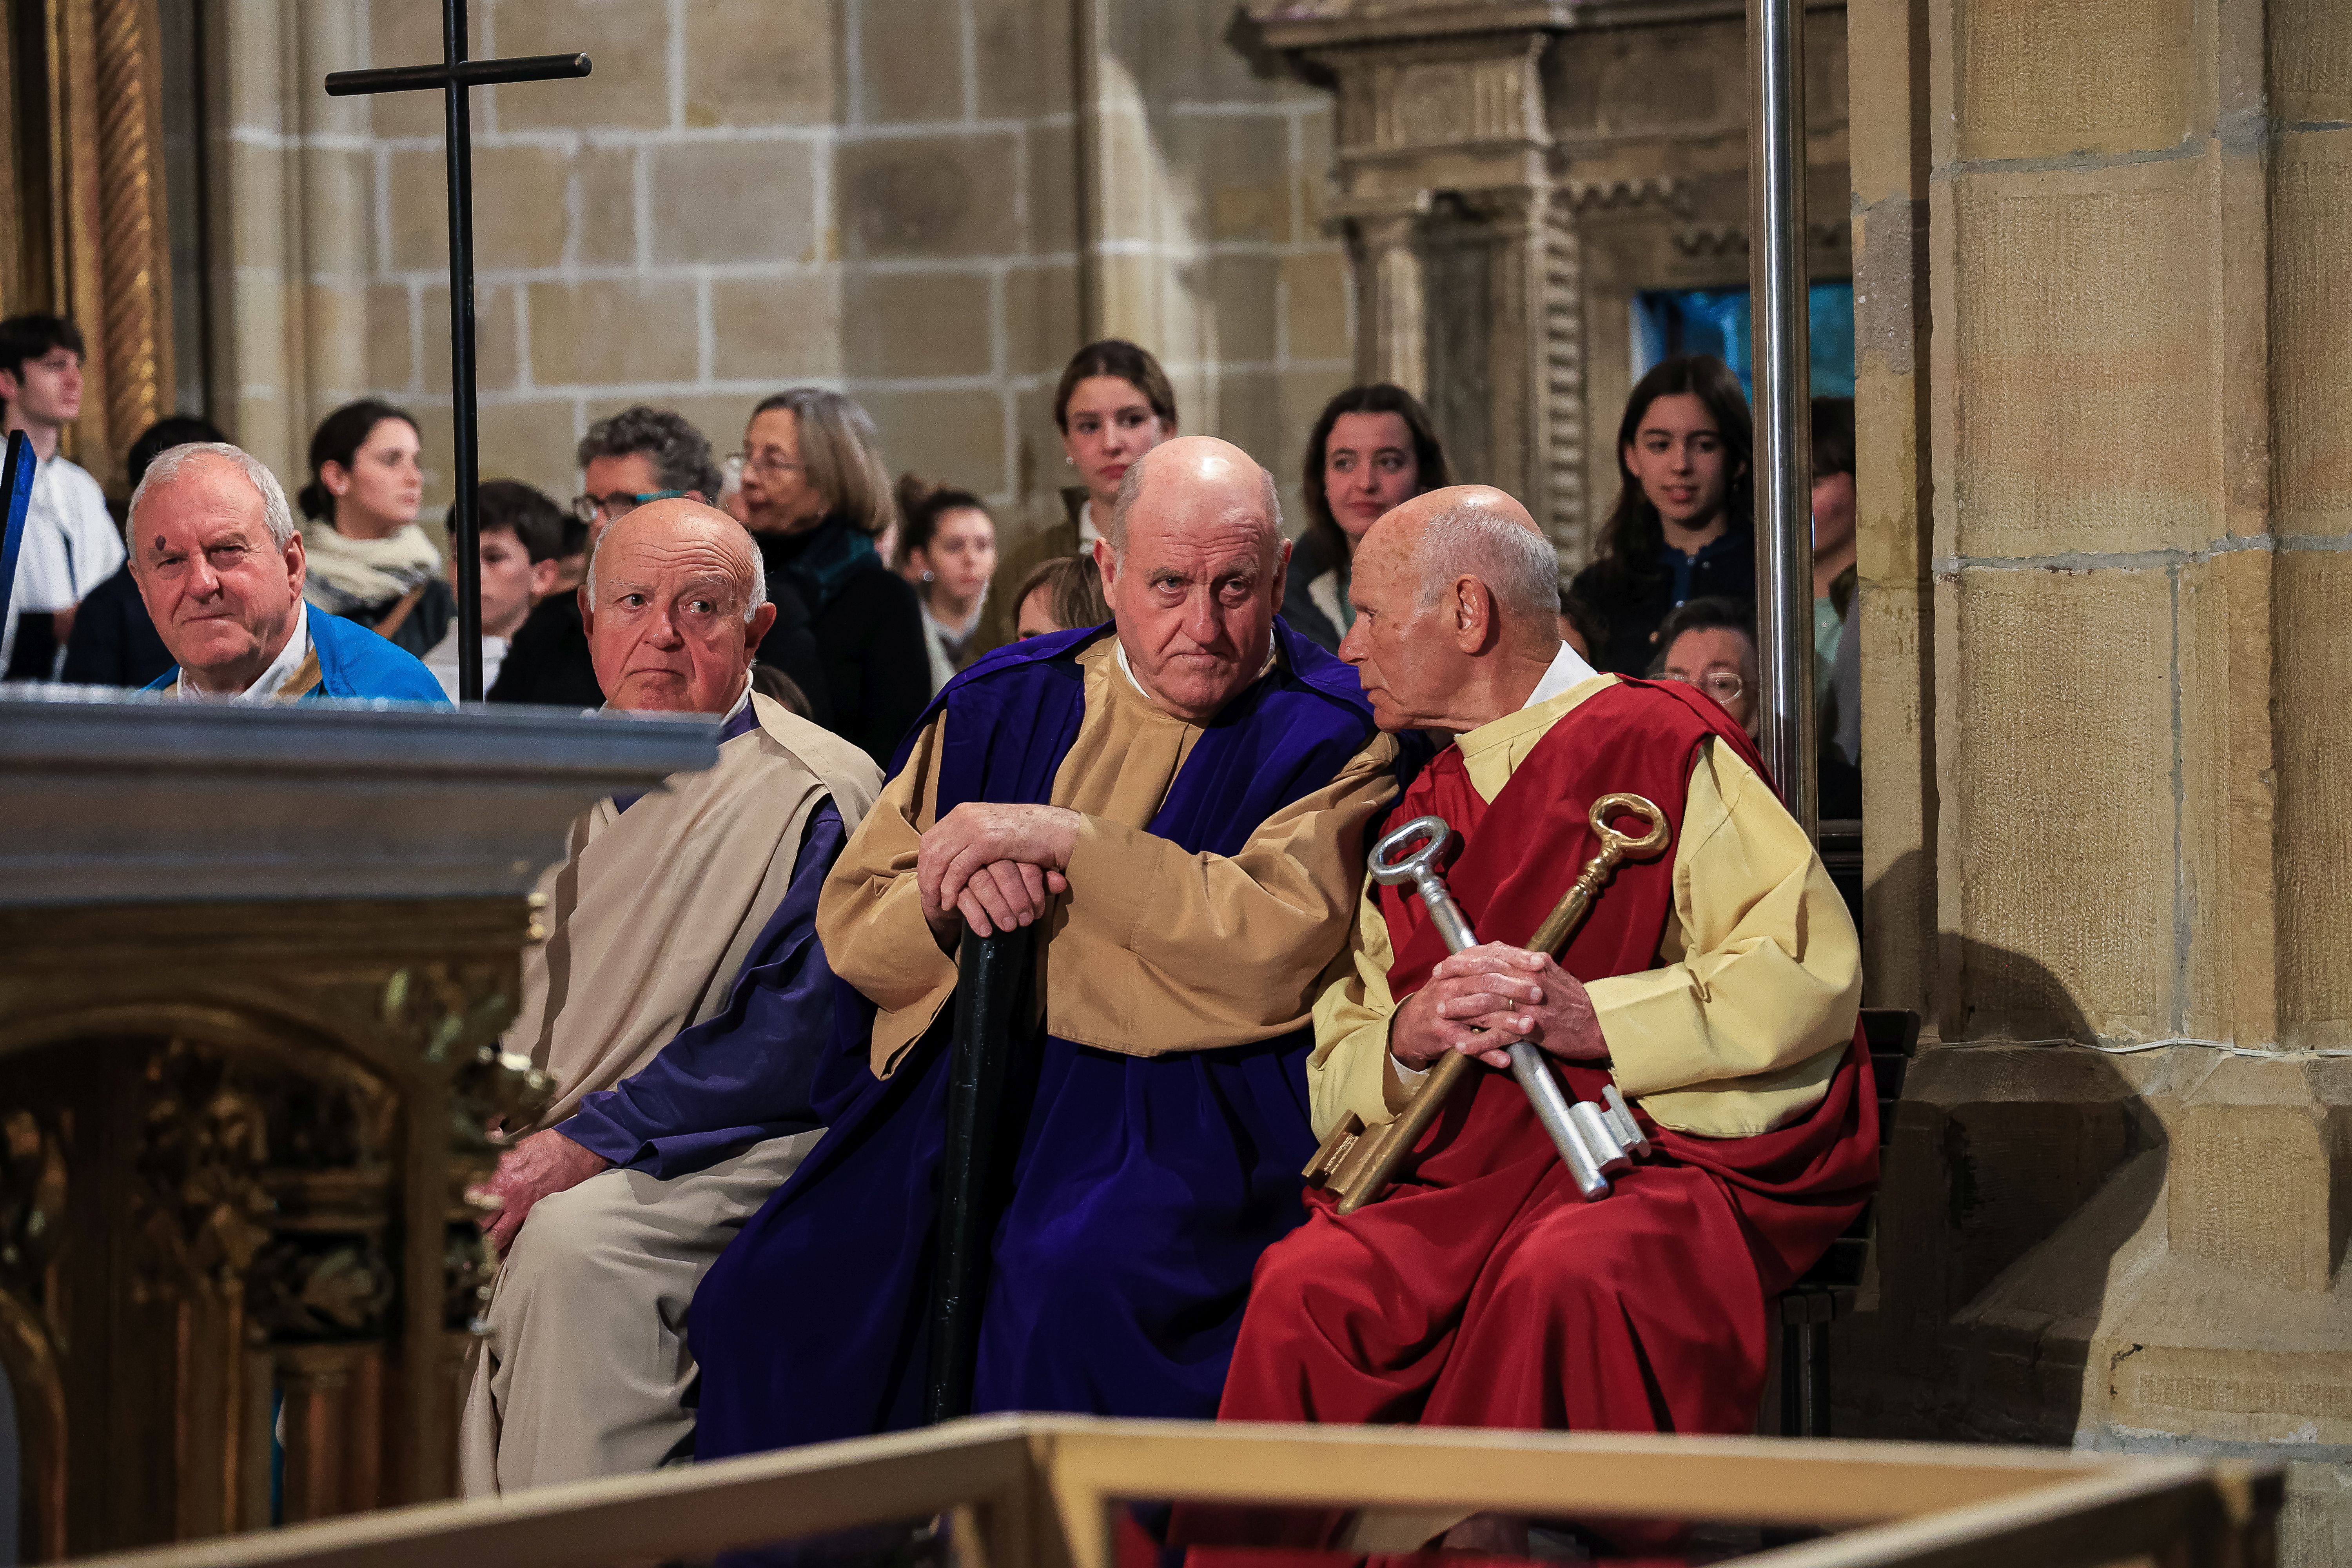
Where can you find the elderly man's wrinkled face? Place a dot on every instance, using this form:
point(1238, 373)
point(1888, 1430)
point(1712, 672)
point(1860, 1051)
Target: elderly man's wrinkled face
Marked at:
point(1404, 649)
point(1195, 590)
point(666, 627)
point(221, 592)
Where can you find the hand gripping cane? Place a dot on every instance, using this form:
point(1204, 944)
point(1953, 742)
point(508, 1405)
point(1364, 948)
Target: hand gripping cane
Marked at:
point(1594, 1142)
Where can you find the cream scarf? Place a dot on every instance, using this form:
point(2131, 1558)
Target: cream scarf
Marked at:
point(651, 914)
point(348, 576)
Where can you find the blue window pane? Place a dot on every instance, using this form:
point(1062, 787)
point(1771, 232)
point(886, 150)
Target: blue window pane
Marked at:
point(1669, 322)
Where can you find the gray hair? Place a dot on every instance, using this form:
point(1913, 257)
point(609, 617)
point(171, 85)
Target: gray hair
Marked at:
point(1131, 487)
point(1516, 563)
point(841, 456)
point(758, 576)
point(172, 461)
point(681, 454)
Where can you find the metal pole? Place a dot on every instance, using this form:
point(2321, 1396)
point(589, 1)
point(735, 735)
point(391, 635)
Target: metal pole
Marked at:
point(1777, 281)
point(466, 540)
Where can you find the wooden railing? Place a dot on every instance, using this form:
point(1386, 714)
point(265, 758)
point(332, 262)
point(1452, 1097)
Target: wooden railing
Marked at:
point(1047, 1490)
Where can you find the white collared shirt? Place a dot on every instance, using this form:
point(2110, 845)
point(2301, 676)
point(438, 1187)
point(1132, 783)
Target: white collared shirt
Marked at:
point(274, 678)
point(1566, 672)
point(1088, 532)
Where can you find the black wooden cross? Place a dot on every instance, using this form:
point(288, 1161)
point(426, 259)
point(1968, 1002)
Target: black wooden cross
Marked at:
point(454, 76)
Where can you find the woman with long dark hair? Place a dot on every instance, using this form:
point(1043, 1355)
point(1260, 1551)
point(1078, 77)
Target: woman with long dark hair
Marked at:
point(949, 541)
point(367, 559)
point(1372, 449)
point(1684, 526)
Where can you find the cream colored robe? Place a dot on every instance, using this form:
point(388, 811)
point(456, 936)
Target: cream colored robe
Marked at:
point(649, 917)
point(1736, 1032)
point(1154, 949)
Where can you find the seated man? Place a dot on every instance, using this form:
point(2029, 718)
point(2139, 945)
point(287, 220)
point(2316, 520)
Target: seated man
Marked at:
point(1718, 982)
point(677, 1002)
point(1179, 799)
point(219, 566)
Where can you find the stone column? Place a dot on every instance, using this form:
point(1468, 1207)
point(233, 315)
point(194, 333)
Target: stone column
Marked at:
point(2104, 523)
point(1390, 343)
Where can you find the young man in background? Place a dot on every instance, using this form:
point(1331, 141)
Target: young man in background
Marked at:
point(70, 543)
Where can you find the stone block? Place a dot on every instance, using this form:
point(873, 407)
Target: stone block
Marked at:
point(436, 432)
point(1134, 201)
point(1249, 414)
point(1023, 58)
point(2086, 330)
point(1052, 184)
point(1243, 165)
point(329, 37)
point(2038, 79)
point(534, 442)
point(910, 59)
point(945, 196)
point(608, 333)
point(2313, 759)
point(1040, 318)
point(334, 338)
point(897, 325)
point(628, 39)
point(1317, 293)
point(779, 330)
point(2251, 1177)
point(760, 62)
point(1243, 296)
point(338, 212)
point(1898, 908)
point(604, 207)
point(1041, 467)
point(254, 96)
point(1313, 174)
point(392, 338)
point(2311, 334)
point(949, 438)
point(519, 219)
point(2228, 874)
point(732, 202)
point(257, 233)
point(2310, 47)
point(496, 349)
point(2058, 799)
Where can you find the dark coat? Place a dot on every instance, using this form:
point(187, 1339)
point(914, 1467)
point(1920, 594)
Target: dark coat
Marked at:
point(876, 667)
point(1630, 605)
point(114, 643)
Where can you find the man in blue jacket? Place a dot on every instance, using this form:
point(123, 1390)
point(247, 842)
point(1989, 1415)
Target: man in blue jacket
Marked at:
point(219, 563)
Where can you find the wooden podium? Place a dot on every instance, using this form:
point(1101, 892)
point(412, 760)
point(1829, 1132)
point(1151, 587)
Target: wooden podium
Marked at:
point(254, 965)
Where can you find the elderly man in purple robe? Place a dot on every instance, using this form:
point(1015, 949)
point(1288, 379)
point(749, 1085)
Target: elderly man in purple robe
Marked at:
point(680, 1002)
point(1178, 804)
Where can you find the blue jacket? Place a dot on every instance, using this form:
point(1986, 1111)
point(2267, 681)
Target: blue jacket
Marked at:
point(354, 662)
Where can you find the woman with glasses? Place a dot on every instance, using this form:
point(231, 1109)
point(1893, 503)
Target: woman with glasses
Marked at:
point(1114, 403)
point(367, 558)
point(1682, 527)
point(816, 497)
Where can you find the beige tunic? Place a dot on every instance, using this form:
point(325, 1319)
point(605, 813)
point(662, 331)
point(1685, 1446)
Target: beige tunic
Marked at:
point(1154, 949)
point(1737, 1031)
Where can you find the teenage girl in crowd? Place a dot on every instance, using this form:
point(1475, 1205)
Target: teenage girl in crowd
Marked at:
point(1114, 403)
point(1684, 524)
point(949, 552)
point(1373, 448)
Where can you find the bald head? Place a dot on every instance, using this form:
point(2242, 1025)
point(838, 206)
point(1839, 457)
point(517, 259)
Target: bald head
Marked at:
point(675, 606)
point(1457, 601)
point(1197, 476)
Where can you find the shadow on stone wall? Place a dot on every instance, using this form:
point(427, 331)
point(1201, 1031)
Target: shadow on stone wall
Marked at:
point(2023, 1183)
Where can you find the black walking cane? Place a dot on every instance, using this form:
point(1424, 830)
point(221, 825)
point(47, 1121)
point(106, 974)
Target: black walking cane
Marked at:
point(991, 971)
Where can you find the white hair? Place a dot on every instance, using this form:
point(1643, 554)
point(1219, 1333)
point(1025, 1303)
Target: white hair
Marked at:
point(1131, 487)
point(1516, 563)
point(758, 576)
point(172, 461)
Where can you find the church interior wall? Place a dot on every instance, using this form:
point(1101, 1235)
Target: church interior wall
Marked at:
point(877, 195)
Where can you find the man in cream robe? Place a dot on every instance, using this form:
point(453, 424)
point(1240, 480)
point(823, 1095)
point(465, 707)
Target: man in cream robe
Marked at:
point(1716, 984)
point(678, 999)
point(1179, 800)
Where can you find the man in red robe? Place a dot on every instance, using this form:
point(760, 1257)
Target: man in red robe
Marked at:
point(1716, 985)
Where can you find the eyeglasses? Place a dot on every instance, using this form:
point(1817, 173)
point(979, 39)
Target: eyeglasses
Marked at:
point(1720, 684)
point(763, 463)
point(620, 503)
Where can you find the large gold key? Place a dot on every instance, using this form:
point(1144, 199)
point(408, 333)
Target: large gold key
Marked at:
point(1595, 1141)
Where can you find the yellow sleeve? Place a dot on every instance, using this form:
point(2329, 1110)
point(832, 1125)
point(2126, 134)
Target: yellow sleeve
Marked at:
point(871, 914)
point(1351, 1069)
point(1740, 1029)
point(1160, 950)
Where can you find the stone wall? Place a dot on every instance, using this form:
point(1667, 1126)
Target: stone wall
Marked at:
point(2100, 307)
point(879, 195)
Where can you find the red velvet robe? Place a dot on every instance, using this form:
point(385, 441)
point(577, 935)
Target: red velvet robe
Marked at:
point(1483, 1291)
